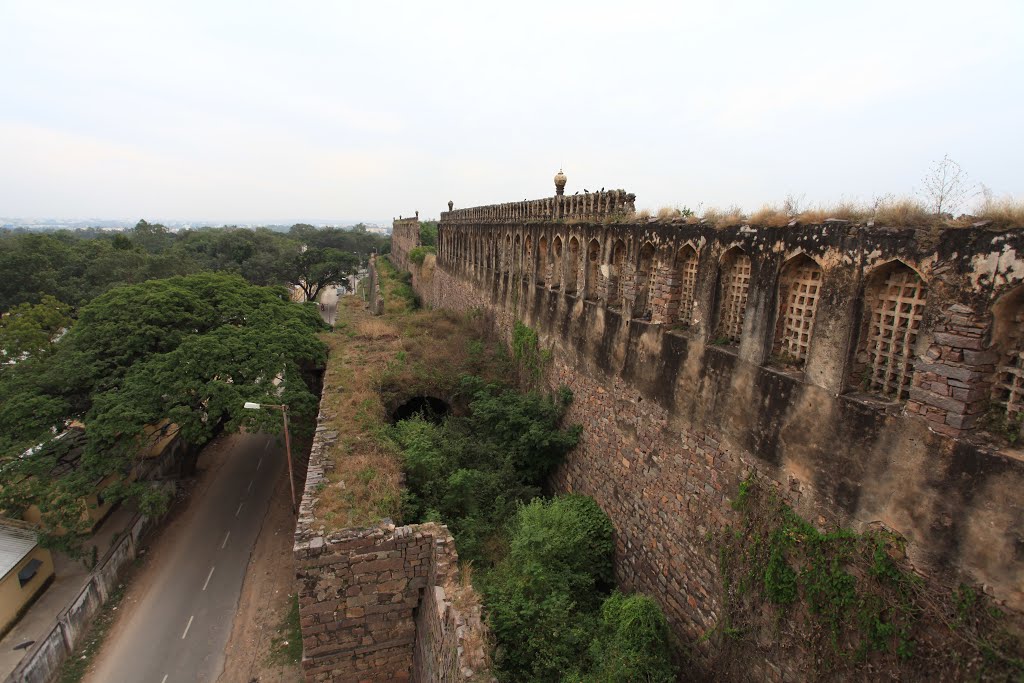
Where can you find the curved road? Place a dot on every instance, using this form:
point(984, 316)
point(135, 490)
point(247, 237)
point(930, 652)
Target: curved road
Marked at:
point(177, 631)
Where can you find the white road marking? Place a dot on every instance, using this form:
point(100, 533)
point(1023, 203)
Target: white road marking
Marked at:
point(188, 626)
point(164, 679)
point(258, 464)
point(225, 543)
point(247, 490)
point(266, 447)
point(239, 509)
point(207, 583)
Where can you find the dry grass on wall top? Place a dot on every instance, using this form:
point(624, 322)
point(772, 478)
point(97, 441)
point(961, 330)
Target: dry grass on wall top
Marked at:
point(905, 212)
point(364, 485)
point(374, 364)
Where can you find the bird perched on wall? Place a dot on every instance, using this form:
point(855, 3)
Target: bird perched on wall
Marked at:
point(575, 193)
point(586, 191)
point(601, 190)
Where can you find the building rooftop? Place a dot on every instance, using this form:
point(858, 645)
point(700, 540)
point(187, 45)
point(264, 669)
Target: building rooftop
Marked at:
point(15, 543)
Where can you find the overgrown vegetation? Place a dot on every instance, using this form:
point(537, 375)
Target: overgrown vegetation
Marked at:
point(76, 266)
point(472, 471)
point(396, 287)
point(190, 351)
point(286, 648)
point(530, 360)
point(549, 606)
point(852, 601)
point(418, 254)
point(428, 233)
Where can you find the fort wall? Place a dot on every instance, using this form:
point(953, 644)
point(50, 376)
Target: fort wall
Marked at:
point(851, 366)
point(405, 236)
point(377, 603)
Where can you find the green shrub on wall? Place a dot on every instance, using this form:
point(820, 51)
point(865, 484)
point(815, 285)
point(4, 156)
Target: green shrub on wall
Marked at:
point(631, 643)
point(547, 606)
point(542, 599)
point(418, 254)
point(472, 471)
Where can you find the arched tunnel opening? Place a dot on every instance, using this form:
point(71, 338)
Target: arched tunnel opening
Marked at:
point(429, 408)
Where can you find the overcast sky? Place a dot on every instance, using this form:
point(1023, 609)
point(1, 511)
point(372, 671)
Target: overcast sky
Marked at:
point(326, 110)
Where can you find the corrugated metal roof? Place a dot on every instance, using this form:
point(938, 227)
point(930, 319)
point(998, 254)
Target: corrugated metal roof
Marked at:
point(15, 544)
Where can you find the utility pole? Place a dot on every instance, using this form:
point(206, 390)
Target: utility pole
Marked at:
point(249, 405)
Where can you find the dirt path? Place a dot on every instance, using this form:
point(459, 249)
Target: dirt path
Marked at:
point(254, 650)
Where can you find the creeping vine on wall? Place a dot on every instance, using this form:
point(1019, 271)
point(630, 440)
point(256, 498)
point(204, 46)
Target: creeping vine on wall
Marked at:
point(851, 601)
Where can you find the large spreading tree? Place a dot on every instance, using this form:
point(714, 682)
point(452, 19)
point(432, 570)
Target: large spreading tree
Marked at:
point(190, 350)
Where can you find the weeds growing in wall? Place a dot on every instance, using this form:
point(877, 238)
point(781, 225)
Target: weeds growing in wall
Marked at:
point(396, 286)
point(850, 604)
point(418, 254)
point(531, 360)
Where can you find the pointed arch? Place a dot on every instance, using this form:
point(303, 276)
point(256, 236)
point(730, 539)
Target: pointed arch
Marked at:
point(572, 272)
point(592, 274)
point(617, 263)
point(684, 286)
point(894, 301)
point(798, 294)
point(644, 281)
point(733, 288)
point(541, 269)
point(555, 268)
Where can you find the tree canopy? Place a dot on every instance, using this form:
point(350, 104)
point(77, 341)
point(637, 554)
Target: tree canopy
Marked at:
point(77, 266)
point(189, 349)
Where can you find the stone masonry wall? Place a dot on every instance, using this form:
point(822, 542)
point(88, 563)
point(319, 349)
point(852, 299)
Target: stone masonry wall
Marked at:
point(374, 603)
point(405, 236)
point(674, 418)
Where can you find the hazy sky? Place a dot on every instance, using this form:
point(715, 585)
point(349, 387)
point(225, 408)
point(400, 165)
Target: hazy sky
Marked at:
point(277, 111)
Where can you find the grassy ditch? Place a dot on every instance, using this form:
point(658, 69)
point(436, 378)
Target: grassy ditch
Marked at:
point(851, 603)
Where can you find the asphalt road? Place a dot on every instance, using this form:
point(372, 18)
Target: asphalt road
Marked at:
point(178, 631)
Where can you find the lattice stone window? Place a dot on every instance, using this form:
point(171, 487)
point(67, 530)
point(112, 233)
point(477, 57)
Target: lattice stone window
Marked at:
point(800, 286)
point(893, 326)
point(686, 273)
point(1008, 390)
point(734, 288)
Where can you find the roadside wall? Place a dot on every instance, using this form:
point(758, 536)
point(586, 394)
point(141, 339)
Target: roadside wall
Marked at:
point(374, 603)
point(667, 334)
point(42, 662)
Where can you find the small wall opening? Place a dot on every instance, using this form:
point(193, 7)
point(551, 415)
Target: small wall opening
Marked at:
point(429, 408)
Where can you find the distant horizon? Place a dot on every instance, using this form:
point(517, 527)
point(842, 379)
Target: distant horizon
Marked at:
point(82, 223)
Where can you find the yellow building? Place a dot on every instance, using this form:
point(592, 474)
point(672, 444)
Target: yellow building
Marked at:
point(95, 507)
point(25, 571)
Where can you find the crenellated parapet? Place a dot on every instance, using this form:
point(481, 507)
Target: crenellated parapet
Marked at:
point(597, 207)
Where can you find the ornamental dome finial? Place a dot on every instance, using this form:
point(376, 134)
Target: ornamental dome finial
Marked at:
point(559, 183)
